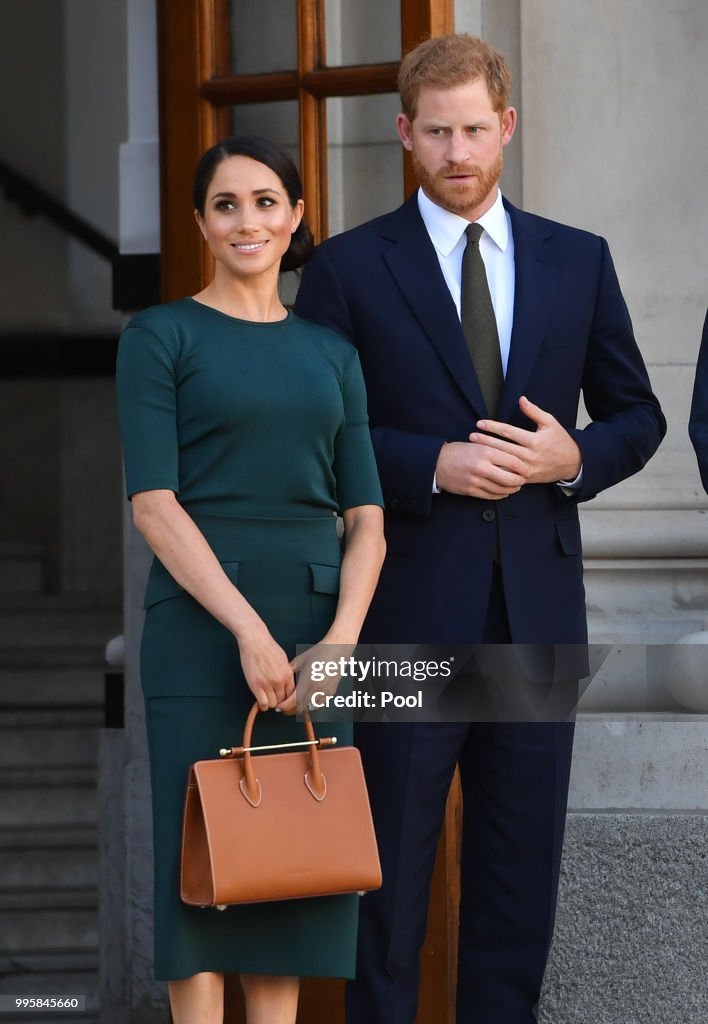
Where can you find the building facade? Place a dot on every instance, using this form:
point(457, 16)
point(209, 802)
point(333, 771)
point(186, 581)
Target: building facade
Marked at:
point(611, 140)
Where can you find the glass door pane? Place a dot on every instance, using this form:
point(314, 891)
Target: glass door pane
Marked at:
point(363, 32)
point(263, 36)
point(278, 121)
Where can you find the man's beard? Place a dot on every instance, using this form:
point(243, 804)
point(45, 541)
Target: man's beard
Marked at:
point(458, 197)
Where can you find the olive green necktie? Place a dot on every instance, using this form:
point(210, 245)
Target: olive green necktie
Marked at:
point(479, 323)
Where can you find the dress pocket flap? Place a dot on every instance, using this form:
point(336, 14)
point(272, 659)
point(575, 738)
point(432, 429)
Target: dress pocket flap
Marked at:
point(568, 531)
point(161, 586)
point(325, 578)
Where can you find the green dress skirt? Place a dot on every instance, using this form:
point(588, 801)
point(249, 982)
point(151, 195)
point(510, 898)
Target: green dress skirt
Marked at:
point(288, 572)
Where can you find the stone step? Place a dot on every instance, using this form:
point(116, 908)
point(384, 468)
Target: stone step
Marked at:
point(66, 972)
point(85, 1018)
point(50, 795)
point(54, 1017)
point(37, 858)
point(21, 568)
point(65, 1016)
point(39, 1017)
point(52, 687)
point(51, 656)
point(56, 628)
point(44, 920)
point(45, 718)
point(52, 671)
point(68, 963)
point(39, 739)
point(78, 602)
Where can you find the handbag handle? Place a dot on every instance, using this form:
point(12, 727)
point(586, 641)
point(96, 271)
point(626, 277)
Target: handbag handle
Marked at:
point(314, 777)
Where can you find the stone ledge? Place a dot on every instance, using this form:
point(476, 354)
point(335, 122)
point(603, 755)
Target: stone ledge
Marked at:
point(645, 533)
point(639, 761)
point(631, 940)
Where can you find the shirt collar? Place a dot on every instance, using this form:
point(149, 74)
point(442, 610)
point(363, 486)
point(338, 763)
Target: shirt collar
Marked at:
point(446, 229)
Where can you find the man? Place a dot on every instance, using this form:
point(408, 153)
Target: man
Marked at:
point(698, 422)
point(482, 469)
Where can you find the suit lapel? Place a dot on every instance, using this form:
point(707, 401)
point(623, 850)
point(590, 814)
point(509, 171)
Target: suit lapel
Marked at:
point(414, 264)
point(536, 280)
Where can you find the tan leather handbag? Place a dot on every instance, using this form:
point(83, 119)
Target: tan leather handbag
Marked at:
point(277, 826)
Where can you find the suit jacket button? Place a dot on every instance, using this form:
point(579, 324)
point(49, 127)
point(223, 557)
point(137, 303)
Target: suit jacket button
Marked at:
point(393, 503)
point(489, 515)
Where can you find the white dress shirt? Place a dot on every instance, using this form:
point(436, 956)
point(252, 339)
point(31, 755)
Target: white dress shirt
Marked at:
point(496, 246)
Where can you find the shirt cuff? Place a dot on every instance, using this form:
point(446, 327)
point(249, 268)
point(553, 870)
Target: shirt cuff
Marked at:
point(570, 486)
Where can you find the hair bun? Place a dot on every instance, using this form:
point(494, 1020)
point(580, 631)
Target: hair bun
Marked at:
point(301, 245)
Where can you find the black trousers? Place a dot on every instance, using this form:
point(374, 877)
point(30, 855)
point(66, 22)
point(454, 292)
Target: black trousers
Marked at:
point(514, 786)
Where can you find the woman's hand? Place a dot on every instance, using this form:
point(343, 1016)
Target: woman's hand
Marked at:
point(321, 661)
point(265, 665)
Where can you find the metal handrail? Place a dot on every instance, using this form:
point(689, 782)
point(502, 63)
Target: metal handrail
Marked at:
point(32, 199)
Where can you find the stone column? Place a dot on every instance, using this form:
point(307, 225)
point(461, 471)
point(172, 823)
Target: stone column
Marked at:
point(129, 993)
point(95, 120)
point(610, 145)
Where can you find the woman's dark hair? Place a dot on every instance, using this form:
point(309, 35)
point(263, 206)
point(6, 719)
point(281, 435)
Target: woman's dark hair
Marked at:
point(268, 153)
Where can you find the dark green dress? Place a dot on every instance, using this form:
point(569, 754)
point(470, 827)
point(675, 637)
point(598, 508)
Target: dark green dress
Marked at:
point(261, 431)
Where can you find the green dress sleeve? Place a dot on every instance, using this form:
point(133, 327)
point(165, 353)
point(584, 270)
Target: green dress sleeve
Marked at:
point(356, 475)
point(146, 378)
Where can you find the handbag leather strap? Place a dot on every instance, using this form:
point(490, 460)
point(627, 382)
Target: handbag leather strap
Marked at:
point(314, 777)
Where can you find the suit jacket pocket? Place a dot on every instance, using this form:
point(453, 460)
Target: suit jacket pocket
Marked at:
point(568, 531)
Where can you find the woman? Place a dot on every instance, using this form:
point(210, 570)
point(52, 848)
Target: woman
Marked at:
point(245, 432)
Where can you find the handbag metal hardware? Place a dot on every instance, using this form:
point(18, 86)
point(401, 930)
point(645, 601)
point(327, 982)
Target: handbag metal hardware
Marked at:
point(324, 741)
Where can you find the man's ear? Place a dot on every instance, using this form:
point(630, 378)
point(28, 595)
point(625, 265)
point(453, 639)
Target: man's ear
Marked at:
point(405, 131)
point(508, 119)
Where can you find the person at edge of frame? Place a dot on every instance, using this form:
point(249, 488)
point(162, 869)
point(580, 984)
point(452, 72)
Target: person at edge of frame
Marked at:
point(698, 421)
point(481, 516)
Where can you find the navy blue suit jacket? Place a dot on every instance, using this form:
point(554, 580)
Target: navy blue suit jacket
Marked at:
point(381, 285)
point(698, 423)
